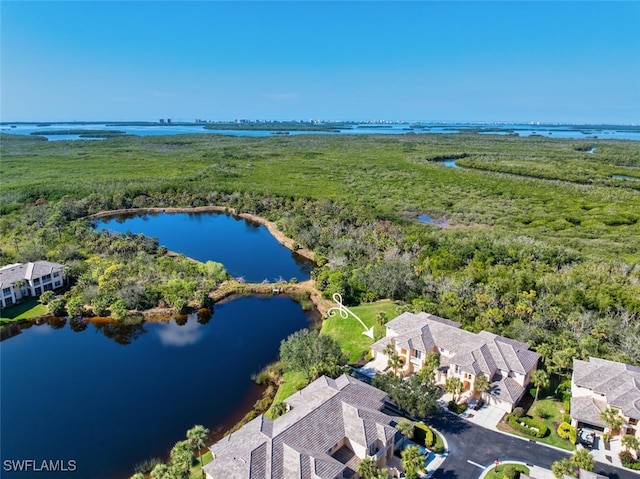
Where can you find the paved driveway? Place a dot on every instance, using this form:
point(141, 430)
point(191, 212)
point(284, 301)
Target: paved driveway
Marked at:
point(469, 442)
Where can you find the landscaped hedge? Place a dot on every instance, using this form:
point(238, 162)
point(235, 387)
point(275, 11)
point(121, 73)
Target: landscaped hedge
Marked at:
point(424, 435)
point(526, 424)
point(568, 432)
point(629, 461)
point(457, 408)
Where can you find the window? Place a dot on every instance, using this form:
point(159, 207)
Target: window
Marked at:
point(56, 274)
point(46, 278)
point(38, 291)
point(633, 421)
point(6, 291)
point(417, 354)
point(36, 281)
point(48, 287)
point(8, 301)
point(56, 284)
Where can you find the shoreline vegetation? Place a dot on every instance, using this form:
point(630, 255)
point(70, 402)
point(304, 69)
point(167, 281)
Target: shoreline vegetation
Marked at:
point(302, 292)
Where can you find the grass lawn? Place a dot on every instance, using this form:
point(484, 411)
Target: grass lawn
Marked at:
point(292, 382)
point(25, 310)
point(495, 471)
point(439, 444)
point(348, 332)
point(549, 411)
point(196, 471)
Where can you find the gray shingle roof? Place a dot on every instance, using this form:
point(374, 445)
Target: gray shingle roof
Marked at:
point(507, 389)
point(475, 353)
point(13, 272)
point(587, 409)
point(619, 382)
point(297, 444)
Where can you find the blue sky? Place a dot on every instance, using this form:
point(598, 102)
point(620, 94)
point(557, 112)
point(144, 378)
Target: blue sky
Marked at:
point(547, 61)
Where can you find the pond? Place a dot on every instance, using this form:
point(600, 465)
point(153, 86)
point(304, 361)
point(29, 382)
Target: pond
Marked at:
point(108, 396)
point(450, 163)
point(432, 221)
point(246, 249)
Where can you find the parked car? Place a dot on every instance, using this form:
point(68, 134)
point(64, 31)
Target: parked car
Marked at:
point(586, 437)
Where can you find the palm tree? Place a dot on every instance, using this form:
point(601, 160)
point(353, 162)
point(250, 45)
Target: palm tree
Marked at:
point(395, 361)
point(406, 428)
point(181, 458)
point(382, 474)
point(453, 385)
point(413, 460)
point(540, 380)
point(161, 471)
point(563, 467)
point(582, 459)
point(367, 468)
point(612, 418)
point(630, 442)
point(197, 437)
point(481, 384)
point(431, 362)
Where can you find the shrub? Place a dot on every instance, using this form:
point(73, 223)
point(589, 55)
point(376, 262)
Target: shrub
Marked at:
point(563, 391)
point(278, 409)
point(118, 310)
point(566, 404)
point(421, 434)
point(46, 297)
point(629, 461)
point(566, 418)
point(568, 432)
point(56, 306)
point(455, 407)
point(527, 425)
point(518, 412)
point(510, 472)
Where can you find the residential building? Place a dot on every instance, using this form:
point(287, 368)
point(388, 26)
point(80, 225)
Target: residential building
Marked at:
point(599, 383)
point(31, 279)
point(328, 428)
point(508, 364)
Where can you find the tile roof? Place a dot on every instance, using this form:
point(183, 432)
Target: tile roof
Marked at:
point(297, 444)
point(619, 382)
point(13, 272)
point(587, 409)
point(485, 352)
point(507, 389)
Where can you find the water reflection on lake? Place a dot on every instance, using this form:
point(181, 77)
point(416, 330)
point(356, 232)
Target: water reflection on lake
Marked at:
point(172, 334)
point(110, 394)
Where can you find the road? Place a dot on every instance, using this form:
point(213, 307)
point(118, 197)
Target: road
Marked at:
point(469, 442)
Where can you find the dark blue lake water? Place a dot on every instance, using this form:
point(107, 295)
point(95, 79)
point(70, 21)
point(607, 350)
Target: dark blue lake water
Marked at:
point(245, 248)
point(108, 396)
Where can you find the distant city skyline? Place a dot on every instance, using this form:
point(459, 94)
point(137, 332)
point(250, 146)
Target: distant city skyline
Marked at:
point(480, 62)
